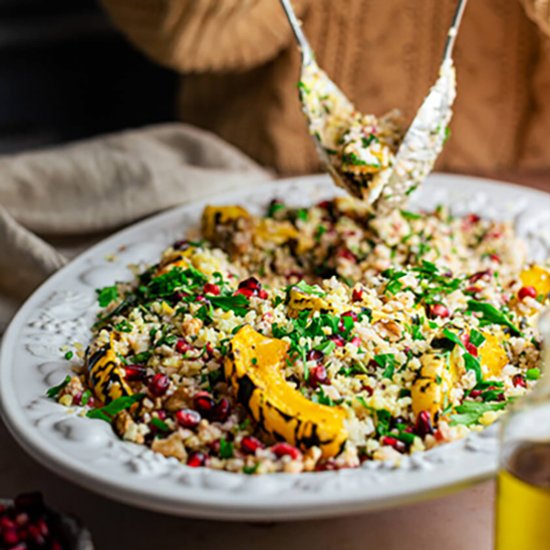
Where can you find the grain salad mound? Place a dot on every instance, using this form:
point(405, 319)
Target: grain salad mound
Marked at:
point(315, 339)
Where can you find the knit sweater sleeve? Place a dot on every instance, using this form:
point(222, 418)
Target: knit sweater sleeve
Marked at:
point(205, 35)
point(539, 12)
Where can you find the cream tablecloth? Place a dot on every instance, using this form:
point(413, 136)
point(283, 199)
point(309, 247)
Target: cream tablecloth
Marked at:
point(55, 203)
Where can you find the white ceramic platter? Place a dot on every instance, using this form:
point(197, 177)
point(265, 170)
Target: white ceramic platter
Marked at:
point(87, 452)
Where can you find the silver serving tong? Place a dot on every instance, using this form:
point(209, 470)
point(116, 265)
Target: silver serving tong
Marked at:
point(420, 146)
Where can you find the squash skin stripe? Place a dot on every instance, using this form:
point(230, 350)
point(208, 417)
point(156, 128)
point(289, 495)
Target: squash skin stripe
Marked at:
point(106, 374)
point(279, 409)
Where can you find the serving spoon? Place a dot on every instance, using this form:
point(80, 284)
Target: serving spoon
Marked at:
point(330, 114)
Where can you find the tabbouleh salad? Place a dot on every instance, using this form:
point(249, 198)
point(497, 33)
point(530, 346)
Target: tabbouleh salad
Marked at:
point(315, 339)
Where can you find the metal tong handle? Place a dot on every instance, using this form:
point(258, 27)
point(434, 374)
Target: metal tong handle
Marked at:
point(307, 52)
point(453, 31)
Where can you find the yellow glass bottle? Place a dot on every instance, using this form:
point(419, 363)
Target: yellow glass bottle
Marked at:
point(523, 486)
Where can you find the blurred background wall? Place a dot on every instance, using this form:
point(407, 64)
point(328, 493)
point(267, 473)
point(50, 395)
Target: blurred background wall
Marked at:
point(66, 74)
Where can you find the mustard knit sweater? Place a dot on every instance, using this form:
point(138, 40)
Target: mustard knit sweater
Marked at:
point(241, 68)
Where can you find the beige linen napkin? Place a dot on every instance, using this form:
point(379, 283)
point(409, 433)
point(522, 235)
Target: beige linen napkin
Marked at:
point(55, 203)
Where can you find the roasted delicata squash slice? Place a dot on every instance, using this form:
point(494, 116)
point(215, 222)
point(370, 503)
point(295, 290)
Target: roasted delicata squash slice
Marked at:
point(253, 366)
point(538, 277)
point(431, 390)
point(298, 301)
point(492, 355)
point(106, 373)
point(179, 258)
point(213, 216)
point(275, 232)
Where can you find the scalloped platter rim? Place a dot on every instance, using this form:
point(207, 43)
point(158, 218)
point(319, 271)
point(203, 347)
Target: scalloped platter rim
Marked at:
point(88, 453)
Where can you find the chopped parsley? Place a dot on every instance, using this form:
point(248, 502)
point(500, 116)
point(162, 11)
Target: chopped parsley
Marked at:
point(54, 390)
point(387, 362)
point(226, 448)
point(491, 315)
point(470, 412)
point(106, 295)
point(108, 412)
point(532, 374)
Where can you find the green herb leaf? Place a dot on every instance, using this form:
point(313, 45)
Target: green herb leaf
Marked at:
point(238, 303)
point(492, 315)
point(532, 374)
point(387, 362)
point(106, 295)
point(86, 396)
point(472, 363)
point(226, 448)
point(68, 355)
point(112, 409)
point(453, 338)
point(313, 290)
point(326, 347)
point(471, 411)
point(160, 424)
point(476, 338)
point(410, 215)
point(54, 390)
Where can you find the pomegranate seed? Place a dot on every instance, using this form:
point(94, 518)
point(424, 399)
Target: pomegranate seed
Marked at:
point(368, 389)
point(245, 292)
point(158, 385)
point(475, 393)
point(424, 424)
point(200, 298)
point(182, 346)
point(315, 355)
point(134, 372)
point(527, 292)
point(347, 254)
point(495, 258)
point(35, 535)
point(284, 449)
point(317, 375)
point(472, 218)
point(328, 465)
point(250, 444)
point(211, 288)
point(471, 349)
point(326, 205)
point(473, 289)
point(251, 284)
point(209, 350)
point(188, 418)
point(10, 537)
point(480, 275)
point(263, 295)
point(178, 296)
point(7, 523)
point(338, 340)
point(196, 459)
point(56, 545)
point(398, 445)
point(204, 403)
point(221, 410)
point(356, 295)
point(43, 527)
point(356, 341)
point(519, 381)
point(438, 310)
point(351, 314)
point(161, 415)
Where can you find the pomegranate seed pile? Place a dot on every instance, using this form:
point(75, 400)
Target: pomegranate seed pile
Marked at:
point(27, 525)
point(421, 327)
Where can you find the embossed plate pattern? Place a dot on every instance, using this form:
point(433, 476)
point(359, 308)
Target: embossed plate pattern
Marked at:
point(87, 451)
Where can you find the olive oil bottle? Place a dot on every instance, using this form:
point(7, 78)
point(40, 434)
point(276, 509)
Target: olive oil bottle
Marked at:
point(523, 485)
